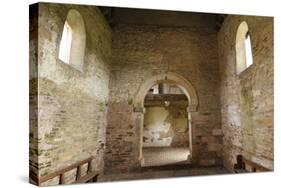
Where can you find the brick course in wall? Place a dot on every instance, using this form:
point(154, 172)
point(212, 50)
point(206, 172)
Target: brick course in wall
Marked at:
point(76, 114)
point(247, 99)
point(140, 52)
point(72, 105)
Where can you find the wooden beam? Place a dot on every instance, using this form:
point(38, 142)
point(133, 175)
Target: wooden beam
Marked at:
point(89, 167)
point(87, 177)
point(62, 180)
point(165, 97)
point(78, 175)
point(162, 103)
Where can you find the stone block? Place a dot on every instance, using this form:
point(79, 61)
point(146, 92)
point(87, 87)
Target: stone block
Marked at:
point(214, 147)
point(207, 162)
point(217, 132)
point(264, 122)
point(204, 139)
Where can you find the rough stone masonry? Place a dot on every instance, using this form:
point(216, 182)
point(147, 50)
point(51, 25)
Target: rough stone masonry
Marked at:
point(76, 114)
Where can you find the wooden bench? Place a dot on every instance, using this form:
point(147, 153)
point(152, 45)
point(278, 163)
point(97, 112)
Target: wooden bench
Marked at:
point(244, 166)
point(91, 176)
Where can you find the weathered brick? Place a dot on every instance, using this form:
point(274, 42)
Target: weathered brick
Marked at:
point(247, 99)
point(217, 132)
point(71, 104)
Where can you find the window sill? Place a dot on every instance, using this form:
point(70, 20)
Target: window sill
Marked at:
point(70, 66)
point(245, 72)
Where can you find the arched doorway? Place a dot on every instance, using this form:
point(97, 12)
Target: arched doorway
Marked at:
point(139, 108)
point(165, 126)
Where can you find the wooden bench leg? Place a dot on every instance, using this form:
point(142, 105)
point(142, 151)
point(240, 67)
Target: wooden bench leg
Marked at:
point(95, 179)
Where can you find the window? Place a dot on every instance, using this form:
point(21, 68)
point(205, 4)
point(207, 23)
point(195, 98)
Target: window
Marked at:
point(244, 56)
point(248, 48)
point(73, 40)
point(65, 44)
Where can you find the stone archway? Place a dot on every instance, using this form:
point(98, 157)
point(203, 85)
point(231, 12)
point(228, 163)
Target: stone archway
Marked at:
point(139, 109)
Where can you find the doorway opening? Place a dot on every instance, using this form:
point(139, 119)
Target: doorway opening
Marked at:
point(166, 135)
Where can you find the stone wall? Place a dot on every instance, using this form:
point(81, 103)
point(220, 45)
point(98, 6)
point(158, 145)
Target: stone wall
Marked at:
point(33, 88)
point(247, 99)
point(72, 104)
point(92, 111)
point(143, 51)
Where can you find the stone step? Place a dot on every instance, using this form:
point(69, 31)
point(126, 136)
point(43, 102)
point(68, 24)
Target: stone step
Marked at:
point(178, 166)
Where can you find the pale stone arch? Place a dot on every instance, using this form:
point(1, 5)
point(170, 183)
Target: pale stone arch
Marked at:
point(139, 109)
point(172, 77)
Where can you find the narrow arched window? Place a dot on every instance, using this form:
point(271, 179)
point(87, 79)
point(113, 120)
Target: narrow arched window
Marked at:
point(248, 49)
point(65, 44)
point(244, 56)
point(73, 40)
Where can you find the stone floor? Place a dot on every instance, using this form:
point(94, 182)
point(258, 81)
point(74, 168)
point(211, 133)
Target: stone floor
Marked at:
point(164, 162)
point(158, 156)
point(157, 174)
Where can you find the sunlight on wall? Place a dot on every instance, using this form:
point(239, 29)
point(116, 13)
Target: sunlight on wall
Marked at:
point(65, 44)
point(248, 48)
